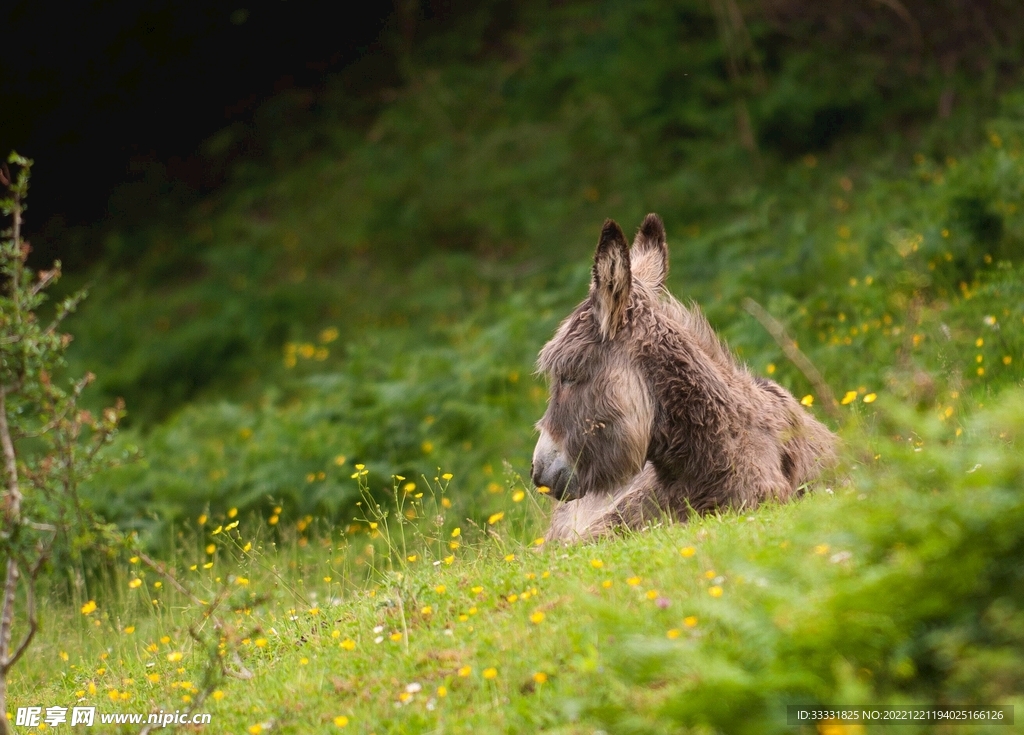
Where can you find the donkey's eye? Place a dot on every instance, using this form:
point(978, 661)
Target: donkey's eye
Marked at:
point(565, 380)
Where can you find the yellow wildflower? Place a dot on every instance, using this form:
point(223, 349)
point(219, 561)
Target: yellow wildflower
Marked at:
point(329, 335)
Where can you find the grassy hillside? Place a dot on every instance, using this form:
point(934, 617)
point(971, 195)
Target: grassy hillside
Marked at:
point(901, 584)
point(355, 316)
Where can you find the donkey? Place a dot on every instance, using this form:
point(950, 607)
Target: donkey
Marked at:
point(650, 415)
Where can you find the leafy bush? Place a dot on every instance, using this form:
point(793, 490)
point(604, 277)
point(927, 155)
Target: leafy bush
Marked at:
point(48, 444)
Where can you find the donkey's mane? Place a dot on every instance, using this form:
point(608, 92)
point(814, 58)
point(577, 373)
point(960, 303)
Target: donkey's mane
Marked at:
point(693, 321)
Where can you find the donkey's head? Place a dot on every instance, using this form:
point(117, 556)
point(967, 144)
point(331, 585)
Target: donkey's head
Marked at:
point(595, 433)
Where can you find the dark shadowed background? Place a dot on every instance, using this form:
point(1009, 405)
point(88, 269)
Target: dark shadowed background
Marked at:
point(102, 94)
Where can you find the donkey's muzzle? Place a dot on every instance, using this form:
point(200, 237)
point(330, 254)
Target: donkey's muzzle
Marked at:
point(549, 469)
point(558, 480)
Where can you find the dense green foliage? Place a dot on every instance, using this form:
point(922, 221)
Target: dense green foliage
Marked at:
point(376, 286)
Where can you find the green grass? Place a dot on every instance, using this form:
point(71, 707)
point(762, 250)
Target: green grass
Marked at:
point(899, 583)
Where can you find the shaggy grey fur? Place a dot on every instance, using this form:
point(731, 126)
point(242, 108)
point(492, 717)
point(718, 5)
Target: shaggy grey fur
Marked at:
point(650, 414)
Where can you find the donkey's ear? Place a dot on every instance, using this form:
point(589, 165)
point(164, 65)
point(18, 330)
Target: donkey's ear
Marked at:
point(650, 254)
point(609, 288)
